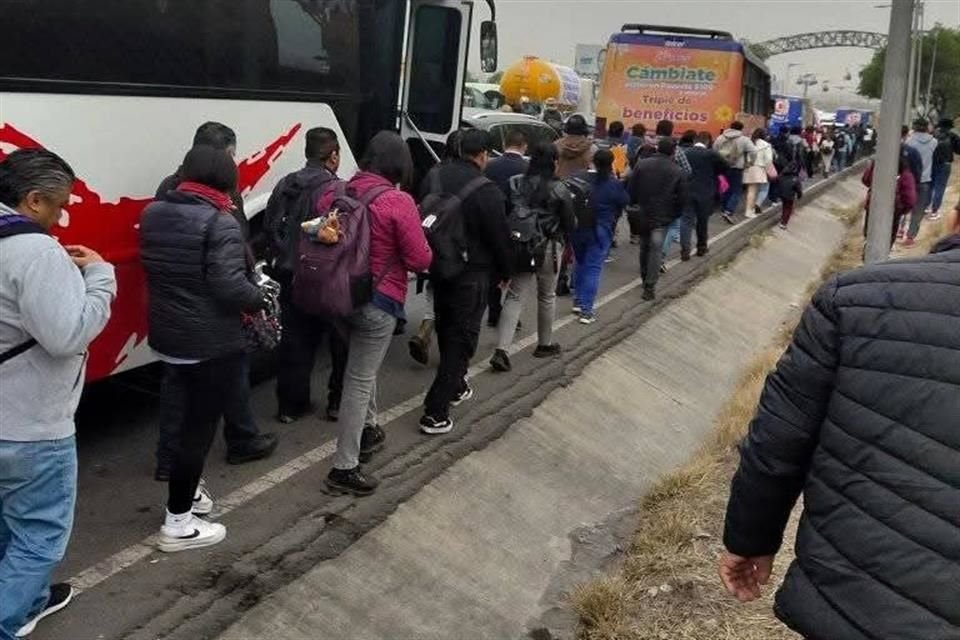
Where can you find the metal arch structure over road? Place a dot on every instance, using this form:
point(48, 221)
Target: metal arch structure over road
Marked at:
point(820, 40)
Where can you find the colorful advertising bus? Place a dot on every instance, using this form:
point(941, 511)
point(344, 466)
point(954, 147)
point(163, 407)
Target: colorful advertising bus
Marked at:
point(699, 79)
point(118, 89)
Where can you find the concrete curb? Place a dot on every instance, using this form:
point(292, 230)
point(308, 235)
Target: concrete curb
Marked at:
point(323, 532)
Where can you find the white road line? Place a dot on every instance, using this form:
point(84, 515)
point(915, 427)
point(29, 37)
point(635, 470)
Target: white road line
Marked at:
point(122, 560)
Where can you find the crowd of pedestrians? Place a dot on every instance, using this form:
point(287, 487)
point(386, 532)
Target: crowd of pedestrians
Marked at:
point(486, 233)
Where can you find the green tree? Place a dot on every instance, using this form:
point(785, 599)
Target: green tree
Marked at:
point(945, 92)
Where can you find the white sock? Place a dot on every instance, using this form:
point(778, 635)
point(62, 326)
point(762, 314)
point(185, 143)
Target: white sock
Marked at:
point(177, 520)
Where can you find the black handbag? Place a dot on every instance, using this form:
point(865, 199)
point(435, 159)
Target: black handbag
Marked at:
point(263, 329)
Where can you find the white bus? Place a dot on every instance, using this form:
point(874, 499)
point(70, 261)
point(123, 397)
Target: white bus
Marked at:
point(118, 87)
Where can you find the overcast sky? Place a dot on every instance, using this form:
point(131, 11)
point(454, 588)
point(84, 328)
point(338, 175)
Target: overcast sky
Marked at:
point(551, 28)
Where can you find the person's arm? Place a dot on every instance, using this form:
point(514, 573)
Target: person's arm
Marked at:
point(775, 455)
point(63, 307)
point(226, 266)
point(492, 222)
point(412, 244)
point(633, 184)
point(272, 226)
point(749, 151)
point(720, 165)
point(681, 195)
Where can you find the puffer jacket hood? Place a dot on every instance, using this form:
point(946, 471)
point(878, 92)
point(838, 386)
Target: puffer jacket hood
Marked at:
point(732, 133)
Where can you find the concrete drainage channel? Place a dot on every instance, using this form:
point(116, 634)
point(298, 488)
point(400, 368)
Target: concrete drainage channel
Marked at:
point(481, 533)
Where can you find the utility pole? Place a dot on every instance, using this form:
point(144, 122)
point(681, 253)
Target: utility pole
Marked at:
point(913, 59)
point(887, 157)
point(933, 63)
point(919, 74)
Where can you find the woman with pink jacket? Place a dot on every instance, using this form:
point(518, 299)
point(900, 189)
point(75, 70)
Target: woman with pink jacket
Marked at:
point(397, 245)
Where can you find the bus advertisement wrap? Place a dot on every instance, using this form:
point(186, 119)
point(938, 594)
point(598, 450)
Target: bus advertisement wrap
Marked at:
point(695, 83)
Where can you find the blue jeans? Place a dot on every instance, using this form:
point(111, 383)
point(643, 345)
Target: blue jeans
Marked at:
point(38, 489)
point(731, 199)
point(762, 192)
point(672, 234)
point(941, 175)
point(591, 250)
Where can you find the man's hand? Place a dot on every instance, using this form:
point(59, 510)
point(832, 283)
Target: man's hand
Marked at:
point(83, 256)
point(743, 576)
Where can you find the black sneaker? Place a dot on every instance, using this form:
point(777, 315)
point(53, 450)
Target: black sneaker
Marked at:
point(353, 481)
point(649, 293)
point(500, 361)
point(371, 441)
point(434, 427)
point(60, 596)
point(547, 351)
point(685, 257)
point(702, 251)
point(256, 448)
point(464, 395)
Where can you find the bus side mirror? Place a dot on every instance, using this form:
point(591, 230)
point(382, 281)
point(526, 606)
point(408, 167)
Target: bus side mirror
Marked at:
point(488, 46)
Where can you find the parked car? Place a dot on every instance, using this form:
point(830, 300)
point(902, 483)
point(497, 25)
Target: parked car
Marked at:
point(498, 123)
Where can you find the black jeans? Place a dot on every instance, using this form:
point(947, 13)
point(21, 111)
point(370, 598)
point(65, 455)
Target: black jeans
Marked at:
point(239, 424)
point(459, 307)
point(696, 216)
point(651, 255)
point(495, 298)
point(209, 387)
point(296, 355)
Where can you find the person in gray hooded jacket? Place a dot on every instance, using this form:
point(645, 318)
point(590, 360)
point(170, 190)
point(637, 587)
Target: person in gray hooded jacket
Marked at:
point(924, 144)
point(739, 152)
point(54, 301)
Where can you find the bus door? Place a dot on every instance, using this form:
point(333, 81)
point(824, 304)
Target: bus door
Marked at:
point(435, 66)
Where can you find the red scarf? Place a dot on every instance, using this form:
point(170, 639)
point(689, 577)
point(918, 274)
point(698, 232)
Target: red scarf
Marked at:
point(217, 198)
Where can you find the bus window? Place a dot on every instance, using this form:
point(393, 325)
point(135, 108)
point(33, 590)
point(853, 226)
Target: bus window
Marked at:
point(434, 67)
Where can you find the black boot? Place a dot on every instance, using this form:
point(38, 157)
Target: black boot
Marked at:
point(649, 293)
point(353, 481)
point(371, 441)
point(255, 448)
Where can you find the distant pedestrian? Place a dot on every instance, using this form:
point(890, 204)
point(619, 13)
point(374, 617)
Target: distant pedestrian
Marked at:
point(397, 245)
point(827, 150)
point(54, 301)
point(707, 167)
point(512, 163)
point(948, 145)
point(616, 144)
point(739, 152)
point(638, 135)
point(925, 145)
point(658, 187)
point(292, 202)
point(542, 204)
point(791, 190)
point(195, 325)
point(552, 115)
point(460, 301)
point(757, 175)
point(575, 147)
point(860, 417)
point(593, 238)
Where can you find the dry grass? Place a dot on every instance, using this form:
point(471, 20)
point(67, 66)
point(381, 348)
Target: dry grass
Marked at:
point(667, 588)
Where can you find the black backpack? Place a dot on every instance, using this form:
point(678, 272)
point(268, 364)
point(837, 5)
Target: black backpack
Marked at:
point(532, 224)
point(442, 221)
point(291, 204)
point(15, 226)
point(943, 154)
point(581, 191)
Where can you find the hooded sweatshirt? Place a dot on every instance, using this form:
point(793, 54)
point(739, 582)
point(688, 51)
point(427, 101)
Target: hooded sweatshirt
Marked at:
point(744, 152)
point(924, 144)
point(44, 296)
point(576, 155)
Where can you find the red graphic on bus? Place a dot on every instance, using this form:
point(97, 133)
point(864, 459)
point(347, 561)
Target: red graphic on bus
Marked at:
point(110, 229)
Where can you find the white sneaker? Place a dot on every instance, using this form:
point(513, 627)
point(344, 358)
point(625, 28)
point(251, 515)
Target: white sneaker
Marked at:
point(202, 500)
point(194, 534)
point(934, 216)
point(576, 311)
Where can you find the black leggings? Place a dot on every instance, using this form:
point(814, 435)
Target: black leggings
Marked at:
point(207, 387)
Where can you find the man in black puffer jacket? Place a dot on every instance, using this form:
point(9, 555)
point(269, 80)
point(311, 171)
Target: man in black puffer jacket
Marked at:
point(863, 416)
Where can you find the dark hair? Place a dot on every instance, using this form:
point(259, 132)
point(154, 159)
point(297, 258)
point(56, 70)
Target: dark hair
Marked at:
point(795, 130)
point(216, 135)
point(665, 128)
point(452, 150)
point(473, 142)
point(514, 138)
point(321, 143)
point(920, 124)
point(615, 130)
point(666, 146)
point(759, 134)
point(603, 161)
point(209, 166)
point(26, 170)
point(904, 130)
point(736, 124)
point(705, 138)
point(689, 137)
point(576, 125)
point(543, 160)
point(638, 130)
point(388, 156)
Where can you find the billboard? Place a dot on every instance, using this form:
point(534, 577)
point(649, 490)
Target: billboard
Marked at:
point(588, 60)
point(695, 82)
point(787, 112)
